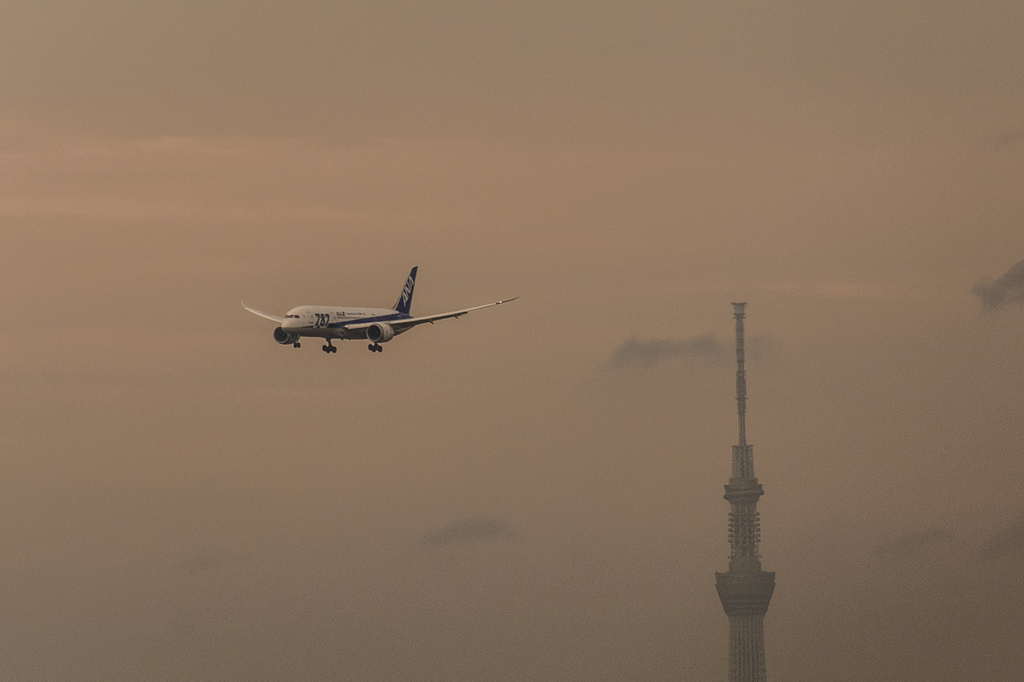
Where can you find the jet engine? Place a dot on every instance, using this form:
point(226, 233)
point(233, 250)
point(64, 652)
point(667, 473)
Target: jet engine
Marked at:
point(378, 332)
point(284, 338)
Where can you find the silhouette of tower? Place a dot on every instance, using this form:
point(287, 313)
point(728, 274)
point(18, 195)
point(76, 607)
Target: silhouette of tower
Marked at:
point(744, 589)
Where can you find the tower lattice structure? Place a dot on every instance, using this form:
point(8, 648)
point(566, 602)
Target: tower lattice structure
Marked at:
point(745, 589)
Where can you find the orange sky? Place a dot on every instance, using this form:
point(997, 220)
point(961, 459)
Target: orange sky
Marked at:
point(496, 497)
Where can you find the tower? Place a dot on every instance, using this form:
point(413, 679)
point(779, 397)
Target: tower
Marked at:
point(744, 589)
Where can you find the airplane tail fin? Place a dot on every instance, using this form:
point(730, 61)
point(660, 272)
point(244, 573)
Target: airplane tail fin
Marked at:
point(404, 304)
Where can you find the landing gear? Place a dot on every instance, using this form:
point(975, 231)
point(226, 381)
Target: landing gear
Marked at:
point(329, 348)
point(376, 348)
point(296, 345)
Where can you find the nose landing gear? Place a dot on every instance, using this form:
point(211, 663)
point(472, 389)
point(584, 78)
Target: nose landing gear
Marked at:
point(376, 348)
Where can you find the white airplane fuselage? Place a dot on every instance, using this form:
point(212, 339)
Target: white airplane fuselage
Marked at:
point(328, 322)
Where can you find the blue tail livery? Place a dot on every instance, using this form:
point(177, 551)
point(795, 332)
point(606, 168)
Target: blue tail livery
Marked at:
point(404, 304)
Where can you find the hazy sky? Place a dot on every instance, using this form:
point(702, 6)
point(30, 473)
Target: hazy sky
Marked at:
point(529, 493)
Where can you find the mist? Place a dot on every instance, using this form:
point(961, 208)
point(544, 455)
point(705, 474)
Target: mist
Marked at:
point(532, 491)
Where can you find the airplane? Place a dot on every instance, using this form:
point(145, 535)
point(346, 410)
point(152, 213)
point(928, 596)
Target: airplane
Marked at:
point(378, 325)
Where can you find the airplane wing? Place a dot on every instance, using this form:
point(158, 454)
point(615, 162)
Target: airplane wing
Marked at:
point(409, 323)
point(279, 320)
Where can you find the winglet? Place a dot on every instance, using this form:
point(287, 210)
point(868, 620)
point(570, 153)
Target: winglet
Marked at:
point(404, 304)
point(274, 318)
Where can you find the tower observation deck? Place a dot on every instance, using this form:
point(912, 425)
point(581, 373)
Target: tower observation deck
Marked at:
point(745, 589)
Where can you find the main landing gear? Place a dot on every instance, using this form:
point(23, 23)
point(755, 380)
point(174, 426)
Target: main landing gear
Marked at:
point(376, 348)
point(296, 345)
point(329, 348)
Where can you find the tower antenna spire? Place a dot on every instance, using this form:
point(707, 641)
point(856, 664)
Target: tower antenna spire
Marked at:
point(745, 589)
point(739, 312)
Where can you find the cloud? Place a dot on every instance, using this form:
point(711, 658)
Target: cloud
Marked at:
point(46, 171)
point(643, 355)
point(470, 531)
point(997, 293)
point(1007, 542)
point(1009, 138)
point(205, 562)
point(836, 290)
point(912, 543)
point(758, 346)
